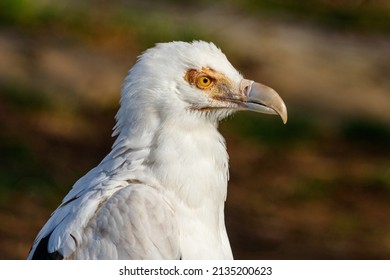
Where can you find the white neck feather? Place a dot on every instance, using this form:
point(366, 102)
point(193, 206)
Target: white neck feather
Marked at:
point(185, 155)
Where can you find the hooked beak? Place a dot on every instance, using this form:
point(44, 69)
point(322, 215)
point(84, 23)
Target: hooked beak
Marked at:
point(262, 99)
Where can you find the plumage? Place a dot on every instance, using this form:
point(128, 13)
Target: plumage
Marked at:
point(160, 192)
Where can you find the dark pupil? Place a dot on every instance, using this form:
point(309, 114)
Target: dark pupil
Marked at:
point(205, 80)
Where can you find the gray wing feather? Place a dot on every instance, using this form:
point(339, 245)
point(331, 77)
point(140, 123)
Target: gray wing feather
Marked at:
point(135, 223)
point(127, 222)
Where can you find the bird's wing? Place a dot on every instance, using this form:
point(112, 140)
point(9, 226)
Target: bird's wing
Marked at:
point(125, 222)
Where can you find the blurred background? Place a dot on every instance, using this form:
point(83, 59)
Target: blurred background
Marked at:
point(316, 188)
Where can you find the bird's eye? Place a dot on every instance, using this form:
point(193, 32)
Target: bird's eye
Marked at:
point(204, 81)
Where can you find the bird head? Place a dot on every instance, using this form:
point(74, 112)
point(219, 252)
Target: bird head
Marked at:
point(196, 78)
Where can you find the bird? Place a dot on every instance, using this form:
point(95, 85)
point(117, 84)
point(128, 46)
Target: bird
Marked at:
point(160, 192)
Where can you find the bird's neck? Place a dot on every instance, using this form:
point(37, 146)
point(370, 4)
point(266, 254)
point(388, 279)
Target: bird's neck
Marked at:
point(184, 159)
point(191, 159)
point(185, 156)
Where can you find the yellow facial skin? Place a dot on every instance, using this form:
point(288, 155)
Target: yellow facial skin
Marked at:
point(216, 84)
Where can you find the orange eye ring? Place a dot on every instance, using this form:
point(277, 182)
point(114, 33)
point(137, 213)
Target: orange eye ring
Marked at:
point(203, 81)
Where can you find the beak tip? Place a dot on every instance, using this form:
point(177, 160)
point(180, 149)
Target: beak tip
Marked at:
point(284, 115)
point(281, 110)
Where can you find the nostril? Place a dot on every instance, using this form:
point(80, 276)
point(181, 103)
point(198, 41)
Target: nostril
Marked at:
point(246, 90)
point(246, 86)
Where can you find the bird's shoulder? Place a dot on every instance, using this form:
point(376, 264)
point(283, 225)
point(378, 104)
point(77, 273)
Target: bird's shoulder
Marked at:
point(100, 205)
point(137, 222)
